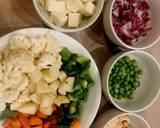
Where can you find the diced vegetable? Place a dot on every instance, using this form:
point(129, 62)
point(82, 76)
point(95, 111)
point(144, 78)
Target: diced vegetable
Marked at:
point(35, 121)
point(66, 54)
point(7, 113)
point(75, 123)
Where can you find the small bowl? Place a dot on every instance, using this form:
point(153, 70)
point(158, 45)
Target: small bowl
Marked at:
point(149, 89)
point(85, 23)
point(148, 40)
point(108, 116)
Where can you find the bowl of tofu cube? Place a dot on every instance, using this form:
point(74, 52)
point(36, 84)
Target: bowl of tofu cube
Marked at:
point(68, 15)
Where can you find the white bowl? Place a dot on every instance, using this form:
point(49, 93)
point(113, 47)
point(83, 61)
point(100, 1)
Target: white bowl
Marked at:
point(147, 93)
point(148, 41)
point(108, 116)
point(88, 114)
point(85, 23)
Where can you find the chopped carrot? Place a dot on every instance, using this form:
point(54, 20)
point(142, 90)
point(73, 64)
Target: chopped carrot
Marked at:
point(7, 123)
point(24, 121)
point(37, 127)
point(16, 123)
point(53, 121)
point(35, 121)
point(41, 115)
point(47, 125)
point(75, 123)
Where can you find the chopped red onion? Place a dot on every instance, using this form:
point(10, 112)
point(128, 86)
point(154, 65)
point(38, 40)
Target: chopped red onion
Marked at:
point(131, 19)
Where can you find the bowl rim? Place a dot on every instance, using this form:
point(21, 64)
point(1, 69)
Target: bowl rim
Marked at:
point(123, 43)
point(38, 30)
point(129, 114)
point(70, 30)
point(108, 74)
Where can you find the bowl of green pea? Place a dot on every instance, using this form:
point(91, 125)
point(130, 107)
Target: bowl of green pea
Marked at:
point(131, 80)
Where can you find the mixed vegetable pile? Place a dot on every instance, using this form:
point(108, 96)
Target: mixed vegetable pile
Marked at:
point(68, 114)
point(124, 78)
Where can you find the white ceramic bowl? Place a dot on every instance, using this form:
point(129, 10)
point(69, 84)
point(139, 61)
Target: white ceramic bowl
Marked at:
point(108, 116)
point(85, 23)
point(147, 93)
point(87, 115)
point(148, 41)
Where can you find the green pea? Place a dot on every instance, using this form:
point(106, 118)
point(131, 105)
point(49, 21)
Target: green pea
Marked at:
point(132, 73)
point(116, 90)
point(115, 96)
point(127, 88)
point(120, 97)
point(116, 86)
point(125, 83)
point(121, 90)
point(136, 84)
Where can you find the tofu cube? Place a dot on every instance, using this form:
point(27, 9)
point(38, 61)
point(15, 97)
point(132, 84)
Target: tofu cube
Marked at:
point(55, 5)
point(74, 19)
point(59, 19)
point(88, 9)
point(74, 5)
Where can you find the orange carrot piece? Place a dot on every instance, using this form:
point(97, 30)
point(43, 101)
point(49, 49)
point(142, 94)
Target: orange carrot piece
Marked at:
point(41, 115)
point(53, 121)
point(7, 123)
point(24, 121)
point(47, 125)
point(38, 126)
point(16, 123)
point(75, 123)
point(35, 121)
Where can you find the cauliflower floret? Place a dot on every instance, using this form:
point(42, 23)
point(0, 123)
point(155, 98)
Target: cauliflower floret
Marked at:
point(51, 74)
point(10, 95)
point(38, 44)
point(52, 45)
point(28, 108)
point(66, 86)
point(19, 41)
point(61, 100)
point(42, 87)
point(47, 100)
point(35, 76)
point(46, 110)
point(54, 87)
point(2, 102)
point(62, 76)
point(36, 98)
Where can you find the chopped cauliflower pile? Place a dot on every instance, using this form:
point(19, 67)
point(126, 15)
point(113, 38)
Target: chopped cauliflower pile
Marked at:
point(30, 76)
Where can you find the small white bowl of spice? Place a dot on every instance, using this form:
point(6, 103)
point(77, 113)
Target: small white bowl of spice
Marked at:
point(116, 119)
point(132, 24)
point(68, 15)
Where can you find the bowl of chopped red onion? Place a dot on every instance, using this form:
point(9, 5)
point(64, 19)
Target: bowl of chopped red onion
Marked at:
point(132, 24)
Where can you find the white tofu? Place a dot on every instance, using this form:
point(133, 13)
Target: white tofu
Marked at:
point(88, 9)
point(59, 19)
point(74, 19)
point(55, 5)
point(74, 5)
